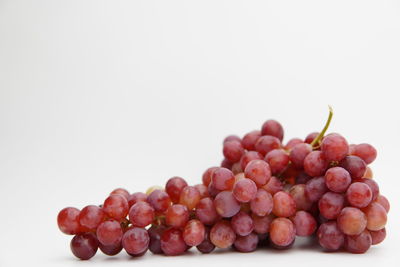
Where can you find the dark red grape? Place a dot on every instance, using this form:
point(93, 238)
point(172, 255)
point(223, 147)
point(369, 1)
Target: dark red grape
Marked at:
point(378, 236)
point(354, 165)
point(111, 250)
point(358, 243)
point(172, 242)
point(262, 224)
point(310, 137)
point(359, 195)
point(298, 153)
point(246, 243)
point(84, 246)
point(330, 205)
point(250, 139)
point(155, 232)
point(206, 246)
point(174, 188)
point(302, 178)
point(242, 224)
point(135, 241)
point(315, 188)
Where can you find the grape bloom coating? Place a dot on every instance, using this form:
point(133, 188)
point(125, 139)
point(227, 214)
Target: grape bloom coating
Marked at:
point(264, 193)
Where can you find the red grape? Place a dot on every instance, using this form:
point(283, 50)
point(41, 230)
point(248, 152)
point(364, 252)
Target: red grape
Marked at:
point(246, 243)
point(136, 241)
point(359, 195)
point(298, 192)
point(273, 128)
point(283, 205)
point(177, 216)
point(267, 143)
point(315, 188)
point(206, 246)
point(282, 232)
point(91, 216)
point(223, 179)
point(365, 151)
point(193, 233)
point(292, 143)
point(136, 197)
point(226, 164)
point(68, 221)
point(334, 147)
point(278, 160)
point(116, 206)
point(232, 138)
point(262, 224)
point(222, 234)
point(174, 188)
point(305, 223)
point(236, 168)
point(302, 178)
point(111, 250)
point(109, 233)
point(354, 165)
point(384, 202)
point(121, 191)
point(262, 204)
point(155, 232)
point(207, 175)
point(250, 139)
point(226, 204)
point(372, 185)
point(244, 190)
point(190, 197)
point(368, 173)
point(330, 205)
point(84, 246)
point(299, 153)
point(206, 212)
point(337, 179)
point(310, 137)
point(249, 156)
point(329, 236)
point(358, 243)
point(242, 224)
point(352, 221)
point(159, 200)
point(376, 216)
point(203, 190)
point(315, 164)
point(233, 151)
point(141, 214)
point(378, 236)
point(258, 171)
point(273, 186)
point(172, 242)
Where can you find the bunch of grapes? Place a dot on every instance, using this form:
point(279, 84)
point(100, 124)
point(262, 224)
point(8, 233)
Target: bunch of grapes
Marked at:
point(264, 193)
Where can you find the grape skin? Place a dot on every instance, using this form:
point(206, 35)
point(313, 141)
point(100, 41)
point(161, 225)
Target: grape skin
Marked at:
point(278, 160)
point(359, 195)
point(206, 212)
point(141, 214)
point(273, 186)
point(292, 143)
point(136, 241)
point(376, 216)
point(354, 165)
point(136, 197)
point(233, 151)
point(282, 232)
point(172, 242)
point(250, 139)
point(305, 223)
point(334, 147)
point(267, 143)
point(193, 233)
point(330, 237)
point(246, 243)
point(109, 233)
point(249, 156)
point(378, 236)
point(242, 224)
point(315, 164)
point(315, 188)
point(352, 221)
point(272, 128)
point(283, 205)
point(358, 243)
point(91, 216)
point(121, 191)
point(110, 250)
point(366, 152)
point(330, 205)
point(298, 193)
point(310, 137)
point(177, 216)
point(223, 179)
point(262, 204)
point(159, 200)
point(68, 221)
point(174, 188)
point(262, 224)
point(298, 154)
point(244, 190)
point(155, 232)
point(337, 179)
point(384, 202)
point(206, 246)
point(226, 204)
point(258, 171)
point(222, 234)
point(190, 197)
point(84, 246)
point(206, 178)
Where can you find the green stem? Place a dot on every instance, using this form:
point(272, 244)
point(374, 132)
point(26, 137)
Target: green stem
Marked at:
point(317, 139)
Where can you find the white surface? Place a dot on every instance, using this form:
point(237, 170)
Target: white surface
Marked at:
point(97, 95)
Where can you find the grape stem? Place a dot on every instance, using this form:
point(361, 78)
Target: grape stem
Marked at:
point(315, 142)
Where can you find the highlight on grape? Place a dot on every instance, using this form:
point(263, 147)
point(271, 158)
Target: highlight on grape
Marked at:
point(264, 193)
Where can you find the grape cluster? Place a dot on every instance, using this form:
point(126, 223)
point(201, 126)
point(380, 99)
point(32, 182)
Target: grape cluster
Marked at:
point(263, 193)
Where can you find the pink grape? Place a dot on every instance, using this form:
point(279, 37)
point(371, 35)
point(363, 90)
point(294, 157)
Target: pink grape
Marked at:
point(206, 178)
point(331, 204)
point(273, 128)
point(242, 224)
point(223, 179)
point(384, 202)
point(292, 143)
point(193, 233)
point(206, 212)
point(121, 191)
point(232, 138)
point(337, 179)
point(330, 237)
point(262, 224)
point(262, 204)
point(244, 190)
point(352, 221)
point(315, 164)
point(359, 195)
point(110, 250)
point(258, 171)
point(298, 193)
point(267, 143)
point(233, 150)
point(159, 200)
point(378, 236)
point(283, 205)
point(299, 153)
point(273, 186)
point(136, 241)
point(109, 233)
point(305, 223)
point(315, 188)
point(136, 197)
point(282, 232)
point(222, 234)
point(203, 190)
point(141, 214)
point(249, 156)
point(334, 147)
point(358, 243)
point(172, 242)
point(226, 204)
point(250, 139)
point(278, 160)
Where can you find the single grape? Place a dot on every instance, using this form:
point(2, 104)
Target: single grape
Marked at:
point(141, 214)
point(174, 188)
point(136, 197)
point(310, 137)
point(84, 246)
point(177, 216)
point(267, 143)
point(155, 232)
point(283, 205)
point(249, 156)
point(273, 186)
point(111, 250)
point(305, 223)
point(354, 165)
point(372, 185)
point(278, 160)
point(223, 179)
point(242, 224)
point(258, 171)
point(376, 216)
point(273, 128)
point(359, 195)
point(384, 202)
point(262, 224)
point(292, 143)
point(282, 232)
point(352, 221)
point(190, 197)
point(136, 240)
point(233, 150)
point(172, 242)
point(226, 204)
point(315, 188)
point(206, 178)
point(250, 139)
point(358, 243)
point(334, 147)
point(262, 204)
point(109, 233)
point(159, 200)
point(225, 163)
point(193, 233)
point(298, 153)
point(121, 191)
point(246, 243)
point(206, 212)
point(366, 152)
point(298, 193)
point(206, 246)
point(378, 236)
point(331, 204)
point(116, 206)
point(68, 221)
point(203, 190)
point(330, 237)
point(245, 190)
point(337, 179)
point(91, 216)
point(315, 164)
point(222, 234)
point(232, 138)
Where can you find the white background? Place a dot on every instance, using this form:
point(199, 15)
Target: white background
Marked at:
point(96, 95)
